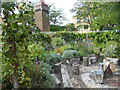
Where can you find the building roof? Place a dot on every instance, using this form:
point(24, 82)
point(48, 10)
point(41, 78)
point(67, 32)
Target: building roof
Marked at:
point(42, 2)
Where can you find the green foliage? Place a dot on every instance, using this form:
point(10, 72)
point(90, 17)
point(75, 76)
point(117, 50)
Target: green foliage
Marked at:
point(20, 46)
point(56, 16)
point(70, 27)
point(83, 53)
point(44, 39)
point(58, 41)
point(36, 50)
point(101, 15)
point(110, 49)
point(96, 50)
point(42, 78)
point(69, 54)
point(60, 49)
point(53, 58)
point(6, 84)
point(57, 28)
point(83, 48)
point(98, 41)
point(16, 36)
point(68, 36)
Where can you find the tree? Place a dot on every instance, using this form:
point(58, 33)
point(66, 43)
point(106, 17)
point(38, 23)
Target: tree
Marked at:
point(16, 36)
point(67, 27)
point(70, 27)
point(20, 47)
point(57, 28)
point(56, 16)
point(101, 15)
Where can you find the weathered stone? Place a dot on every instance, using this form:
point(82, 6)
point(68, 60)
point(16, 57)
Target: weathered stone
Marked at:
point(118, 62)
point(101, 66)
point(111, 62)
point(66, 79)
point(67, 61)
point(75, 61)
point(76, 70)
point(52, 71)
point(85, 61)
point(92, 55)
point(57, 67)
point(112, 67)
point(56, 79)
point(92, 60)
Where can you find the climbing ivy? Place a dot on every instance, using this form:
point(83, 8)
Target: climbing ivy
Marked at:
point(99, 39)
point(16, 32)
point(20, 46)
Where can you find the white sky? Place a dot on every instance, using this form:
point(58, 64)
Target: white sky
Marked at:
point(66, 5)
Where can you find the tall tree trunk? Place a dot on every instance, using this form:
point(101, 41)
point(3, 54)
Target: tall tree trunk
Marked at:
point(12, 51)
point(15, 80)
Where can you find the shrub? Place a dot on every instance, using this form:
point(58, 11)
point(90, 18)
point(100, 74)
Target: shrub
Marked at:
point(59, 50)
point(69, 54)
point(58, 41)
point(42, 78)
point(111, 48)
point(36, 50)
point(83, 53)
point(53, 58)
point(83, 48)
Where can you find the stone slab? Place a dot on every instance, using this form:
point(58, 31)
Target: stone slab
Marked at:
point(66, 79)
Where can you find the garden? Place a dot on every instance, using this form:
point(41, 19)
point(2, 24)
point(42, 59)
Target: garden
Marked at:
point(29, 59)
point(52, 48)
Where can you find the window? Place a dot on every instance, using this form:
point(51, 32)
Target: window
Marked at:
point(85, 26)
